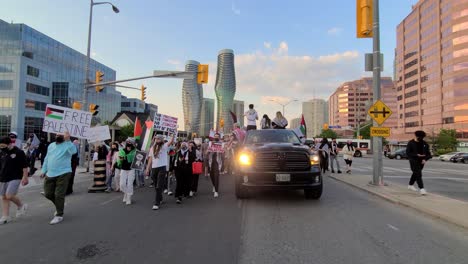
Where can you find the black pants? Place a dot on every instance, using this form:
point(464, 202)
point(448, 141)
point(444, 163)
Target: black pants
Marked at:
point(416, 168)
point(194, 187)
point(159, 178)
point(251, 127)
point(74, 164)
point(183, 181)
point(214, 174)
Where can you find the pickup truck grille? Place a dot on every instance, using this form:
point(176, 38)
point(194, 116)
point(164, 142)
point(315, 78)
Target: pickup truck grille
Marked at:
point(282, 161)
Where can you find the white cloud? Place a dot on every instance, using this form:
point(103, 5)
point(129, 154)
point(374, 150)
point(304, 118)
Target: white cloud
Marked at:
point(173, 62)
point(335, 31)
point(234, 9)
point(94, 54)
point(267, 45)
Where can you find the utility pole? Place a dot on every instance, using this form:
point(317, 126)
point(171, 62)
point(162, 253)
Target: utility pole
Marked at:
point(377, 178)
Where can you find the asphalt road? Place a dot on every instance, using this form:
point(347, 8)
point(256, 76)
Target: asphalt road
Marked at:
point(440, 177)
point(345, 226)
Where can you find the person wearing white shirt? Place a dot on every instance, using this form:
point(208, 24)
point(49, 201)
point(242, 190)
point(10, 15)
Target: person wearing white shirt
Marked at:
point(252, 117)
point(157, 162)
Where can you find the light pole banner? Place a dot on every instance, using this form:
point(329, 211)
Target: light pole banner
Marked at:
point(59, 119)
point(165, 123)
point(98, 133)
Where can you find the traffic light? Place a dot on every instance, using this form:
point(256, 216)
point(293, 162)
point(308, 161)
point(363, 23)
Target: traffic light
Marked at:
point(325, 126)
point(93, 109)
point(364, 18)
point(99, 79)
point(202, 74)
point(143, 93)
point(221, 123)
point(76, 105)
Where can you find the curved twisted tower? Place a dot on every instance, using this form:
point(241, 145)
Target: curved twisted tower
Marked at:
point(225, 88)
point(192, 99)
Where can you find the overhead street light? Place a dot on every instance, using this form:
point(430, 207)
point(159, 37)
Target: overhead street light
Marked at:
point(283, 105)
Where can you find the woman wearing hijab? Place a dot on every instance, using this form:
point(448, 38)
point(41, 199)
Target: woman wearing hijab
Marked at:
point(195, 177)
point(184, 161)
point(266, 122)
point(348, 154)
point(127, 174)
point(323, 149)
point(279, 122)
point(215, 161)
point(112, 170)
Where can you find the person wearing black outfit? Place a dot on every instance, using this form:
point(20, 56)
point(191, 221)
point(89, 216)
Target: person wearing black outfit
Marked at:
point(184, 175)
point(418, 154)
point(215, 161)
point(323, 149)
point(75, 160)
point(334, 156)
point(195, 177)
point(43, 149)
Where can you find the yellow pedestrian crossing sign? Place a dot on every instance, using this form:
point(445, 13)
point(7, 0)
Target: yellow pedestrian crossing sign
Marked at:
point(379, 112)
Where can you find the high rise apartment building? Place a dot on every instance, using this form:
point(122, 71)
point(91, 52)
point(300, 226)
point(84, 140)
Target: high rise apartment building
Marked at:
point(225, 88)
point(432, 68)
point(192, 99)
point(315, 113)
point(348, 105)
point(238, 109)
point(207, 116)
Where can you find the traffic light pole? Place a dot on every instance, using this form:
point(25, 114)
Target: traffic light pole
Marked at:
point(377, 178)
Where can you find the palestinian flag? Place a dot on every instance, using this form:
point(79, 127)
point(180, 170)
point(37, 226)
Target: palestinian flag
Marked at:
point(54, 113)
point(303, 127)
point(234, 117)
point(145, 146)
point(137, 130)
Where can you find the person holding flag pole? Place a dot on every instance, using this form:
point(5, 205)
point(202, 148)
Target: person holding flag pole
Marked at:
point(140, 178)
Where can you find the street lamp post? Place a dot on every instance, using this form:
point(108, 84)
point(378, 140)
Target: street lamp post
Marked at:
point(283, 105)
point(88, 61)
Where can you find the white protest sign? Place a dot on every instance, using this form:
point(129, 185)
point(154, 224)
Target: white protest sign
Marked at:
point(59, 119)
point(98, 133)
point(216, 147)
point(165, 123)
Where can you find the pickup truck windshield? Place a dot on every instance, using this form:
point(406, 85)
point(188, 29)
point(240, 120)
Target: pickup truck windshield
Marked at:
point(272, 136)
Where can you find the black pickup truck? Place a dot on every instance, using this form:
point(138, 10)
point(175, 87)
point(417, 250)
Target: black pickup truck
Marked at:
point(276, 159)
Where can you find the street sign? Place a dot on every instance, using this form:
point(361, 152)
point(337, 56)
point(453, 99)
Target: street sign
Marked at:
point(334, 127)
point(379, 112)
point(380, 131)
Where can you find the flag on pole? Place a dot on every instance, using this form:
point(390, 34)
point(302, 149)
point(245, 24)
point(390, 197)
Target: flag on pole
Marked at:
point(148, 136)
point(303, 127)
point(137, 130)
point(234, 117)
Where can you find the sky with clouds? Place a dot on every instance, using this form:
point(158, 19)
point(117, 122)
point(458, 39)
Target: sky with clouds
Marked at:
point(283, 50)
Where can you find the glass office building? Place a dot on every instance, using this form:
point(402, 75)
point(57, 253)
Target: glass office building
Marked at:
point(192, 99)
point(36, 70)
point(225, 89)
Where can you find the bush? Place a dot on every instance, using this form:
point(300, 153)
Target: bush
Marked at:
point(443, 151)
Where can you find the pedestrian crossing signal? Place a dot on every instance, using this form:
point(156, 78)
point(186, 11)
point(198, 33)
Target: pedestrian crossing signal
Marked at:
point(93, 109)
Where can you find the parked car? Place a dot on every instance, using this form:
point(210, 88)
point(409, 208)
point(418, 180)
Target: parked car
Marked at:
point(461, 157)
point(448, 156)
point(399, 154)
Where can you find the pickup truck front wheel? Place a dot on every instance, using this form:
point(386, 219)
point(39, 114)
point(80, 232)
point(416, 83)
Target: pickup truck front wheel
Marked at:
point(313, 193)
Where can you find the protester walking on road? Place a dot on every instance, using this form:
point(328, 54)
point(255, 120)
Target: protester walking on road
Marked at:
point(43, 149)
point(195, 176)
point(75, 160)
point(334, 156)
point(157, 164)
point(113, 173)
point(348, 154)
point(279, 122)
point(418, 154)
point(56, 171)
point(127, 174)
point(215, 160)
point(13, 172)
point(252, 117)
point(323, 150)
point(265, 123)
point(185, 158)
point(15, 140)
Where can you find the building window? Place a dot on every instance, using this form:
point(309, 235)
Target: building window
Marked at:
point(447, 120)
point(411, 84)
point(37, 89)
point(412, 124)
point(6, 67)
point(411, 114)
point(411, 73)
point(33, 125)
point(6, 102)
point(411, 63)
point(6, 84)
point(5, 125)
point(411, 94)
point(125, 104)
point(40, 106)
point(31, 71)
point(411, 104)
point(60, 93)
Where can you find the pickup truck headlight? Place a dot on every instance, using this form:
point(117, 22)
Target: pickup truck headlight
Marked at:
point(245, 159)
point(314, 160)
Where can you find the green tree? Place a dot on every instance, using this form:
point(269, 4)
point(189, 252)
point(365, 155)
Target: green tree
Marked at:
point(447, 140)
point(126, 131)
point(329, 133)
point(365, 131)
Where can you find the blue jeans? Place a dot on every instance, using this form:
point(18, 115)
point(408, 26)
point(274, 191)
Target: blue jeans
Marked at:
point(140, 178)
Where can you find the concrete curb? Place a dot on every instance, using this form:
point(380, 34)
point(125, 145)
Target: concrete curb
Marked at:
point(394, 199)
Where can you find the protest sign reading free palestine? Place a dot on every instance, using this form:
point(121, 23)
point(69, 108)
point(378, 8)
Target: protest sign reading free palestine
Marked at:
point(60, 119)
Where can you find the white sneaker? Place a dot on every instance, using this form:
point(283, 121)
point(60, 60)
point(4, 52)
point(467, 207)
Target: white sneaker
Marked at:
point(422, 192)
point(412, 188)
point(4, 220)
point(56, 220)
point(129, 200)
point(215, 194)
point(22, 210)
point(191, 194)
point(125, 198)
point(169, 193)
point(155, 207)
point(165, 191)
point(214, 190)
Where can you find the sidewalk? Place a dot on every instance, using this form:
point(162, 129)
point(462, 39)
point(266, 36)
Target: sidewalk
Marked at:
point(447, 209)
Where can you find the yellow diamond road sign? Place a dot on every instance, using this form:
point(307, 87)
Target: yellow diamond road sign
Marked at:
point(380, 131)
point(379, 112)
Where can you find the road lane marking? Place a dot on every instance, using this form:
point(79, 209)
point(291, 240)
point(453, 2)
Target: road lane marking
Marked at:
point(111, 200)
point(430, 178)
point(393, 227)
